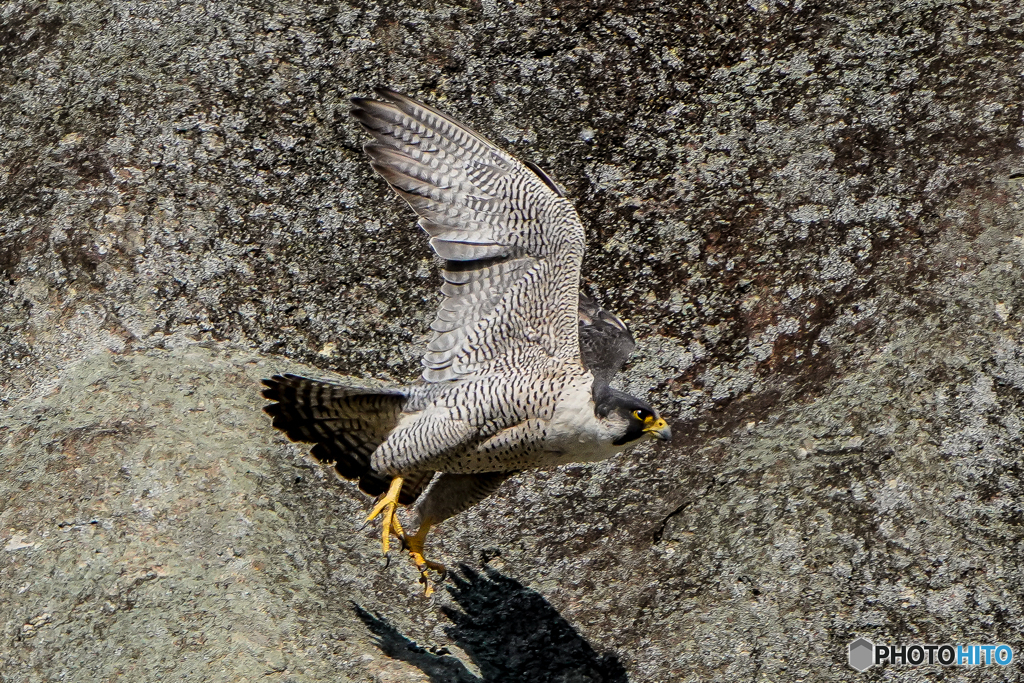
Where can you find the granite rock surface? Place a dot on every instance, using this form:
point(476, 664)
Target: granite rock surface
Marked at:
point(810, 213)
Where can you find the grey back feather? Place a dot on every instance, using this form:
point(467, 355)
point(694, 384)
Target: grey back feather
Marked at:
point(605, 341)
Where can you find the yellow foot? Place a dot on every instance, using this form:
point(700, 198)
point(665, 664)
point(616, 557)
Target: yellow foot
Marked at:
point(388, 505)
point(414, 544)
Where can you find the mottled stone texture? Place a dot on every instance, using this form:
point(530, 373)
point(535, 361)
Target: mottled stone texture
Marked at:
point(811, 213)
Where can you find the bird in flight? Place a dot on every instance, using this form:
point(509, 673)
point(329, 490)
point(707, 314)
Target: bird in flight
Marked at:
point(518, 372)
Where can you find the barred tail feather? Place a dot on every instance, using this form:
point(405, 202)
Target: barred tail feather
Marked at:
point(345, 424)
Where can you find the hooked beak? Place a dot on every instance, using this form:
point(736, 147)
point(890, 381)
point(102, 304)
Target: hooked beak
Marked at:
point(658, 428)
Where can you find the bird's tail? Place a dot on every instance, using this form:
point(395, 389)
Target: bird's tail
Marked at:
point(346, 424)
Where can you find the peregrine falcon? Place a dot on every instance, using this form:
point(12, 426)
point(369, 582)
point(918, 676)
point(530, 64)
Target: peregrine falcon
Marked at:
point(518, 372)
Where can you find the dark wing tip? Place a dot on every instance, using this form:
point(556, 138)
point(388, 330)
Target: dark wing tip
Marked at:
point(368, 112)
point(364, 117)
point(545, 178)
point(387, 93)
point(272, 391)
point(322, 453)
point(276, 383)
point(285, 423)
point(384, 93)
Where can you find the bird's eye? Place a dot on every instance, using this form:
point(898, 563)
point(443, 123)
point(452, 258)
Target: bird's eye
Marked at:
point(641, 414)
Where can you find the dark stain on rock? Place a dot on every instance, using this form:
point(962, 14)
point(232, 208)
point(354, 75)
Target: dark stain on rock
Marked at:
point(26, 29)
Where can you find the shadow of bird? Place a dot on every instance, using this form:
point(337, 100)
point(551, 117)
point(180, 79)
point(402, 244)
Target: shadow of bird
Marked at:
point(511, 633)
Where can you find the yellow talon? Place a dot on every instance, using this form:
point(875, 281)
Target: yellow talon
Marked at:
point(388, 505)
point(414, 544)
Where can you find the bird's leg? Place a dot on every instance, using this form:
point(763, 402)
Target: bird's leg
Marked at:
point(388, 505)
point(414, 544)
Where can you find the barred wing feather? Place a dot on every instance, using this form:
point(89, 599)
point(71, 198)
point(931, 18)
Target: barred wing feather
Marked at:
point(513, 244)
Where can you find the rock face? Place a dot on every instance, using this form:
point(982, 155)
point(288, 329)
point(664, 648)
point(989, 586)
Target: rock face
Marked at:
point(812, 215)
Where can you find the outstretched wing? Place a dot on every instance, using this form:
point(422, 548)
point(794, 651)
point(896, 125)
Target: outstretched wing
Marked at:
point(346, 424)
point(513, 244)
point(605, 341)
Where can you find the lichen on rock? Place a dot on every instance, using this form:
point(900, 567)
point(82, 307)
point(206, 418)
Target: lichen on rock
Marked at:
point(809, 213)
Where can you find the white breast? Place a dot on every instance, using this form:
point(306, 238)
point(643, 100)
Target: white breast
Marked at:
point(575, 433)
